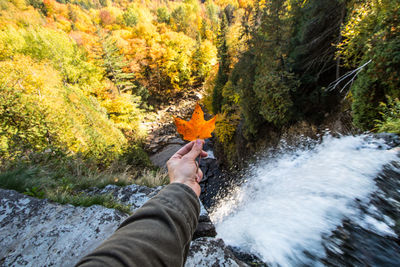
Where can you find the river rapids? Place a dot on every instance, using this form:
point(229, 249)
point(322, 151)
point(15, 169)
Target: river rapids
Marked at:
point(323, 204)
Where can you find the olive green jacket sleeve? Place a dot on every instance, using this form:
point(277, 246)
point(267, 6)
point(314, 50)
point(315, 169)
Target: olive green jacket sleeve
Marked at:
point(157, 234)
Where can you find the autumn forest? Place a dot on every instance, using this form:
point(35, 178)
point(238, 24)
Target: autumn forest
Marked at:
point(79, 79)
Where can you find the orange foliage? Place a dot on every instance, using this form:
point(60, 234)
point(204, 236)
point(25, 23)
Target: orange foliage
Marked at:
point(106, 18)
point(197, 127)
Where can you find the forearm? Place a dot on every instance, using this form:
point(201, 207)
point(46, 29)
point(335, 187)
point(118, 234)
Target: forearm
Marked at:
point(157, 234)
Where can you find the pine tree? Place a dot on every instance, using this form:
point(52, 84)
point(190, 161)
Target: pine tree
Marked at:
point(317, 25)
point(223, 68)
point(273, 82)
point(114, 65)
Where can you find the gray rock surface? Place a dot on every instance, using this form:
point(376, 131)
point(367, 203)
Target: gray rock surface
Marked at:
point(160, 158)
point(36, 232)
point(136, 196)
point(133, 195)
point(207, 251)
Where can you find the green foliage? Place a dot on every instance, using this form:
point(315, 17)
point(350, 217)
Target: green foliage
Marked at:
point(366, 97)
point(163, 15)
point(212, 11)
point(122, 108)
point(372, 33)
point(180, 18)
point(153, 178)
point(174, 64)
point(273, 82)
point(88, 4)
point(262, 77)
point(105, 200)
point(39, 5)
point(34, 192)
point(62, 179)
point(183, 18)
point(243, 84)
point(135, 156)
point(273, 90)
point(226, 127)
point(390, 121)
point(19, 179)
point(22, 126)
point(315, 29)
point(223, 67)
point(114, 65)
point(130, 17)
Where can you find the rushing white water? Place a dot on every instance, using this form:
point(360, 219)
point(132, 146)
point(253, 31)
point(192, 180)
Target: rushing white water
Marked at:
point(290, 202)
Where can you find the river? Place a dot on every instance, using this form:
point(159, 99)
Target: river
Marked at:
point(322, 204)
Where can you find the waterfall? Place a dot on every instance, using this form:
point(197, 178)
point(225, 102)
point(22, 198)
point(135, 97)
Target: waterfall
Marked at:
point(289, 204)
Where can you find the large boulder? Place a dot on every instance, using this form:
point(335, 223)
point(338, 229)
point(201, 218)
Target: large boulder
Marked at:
point(37, 232)
point(136, 196)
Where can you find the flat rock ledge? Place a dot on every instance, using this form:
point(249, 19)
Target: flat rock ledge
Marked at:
point(136, 196)
point(37, 232)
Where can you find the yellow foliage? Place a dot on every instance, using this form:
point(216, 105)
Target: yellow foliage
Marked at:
point(235, 42)
point(361, 18)
point(224, 3)
point(208, 88)
point(122, 37)
point(11, 41)
point(63, 24)
point(73, 122)
point(123, 110)
point(146, 31)
point(22, 17)
point(19, 3)
point(143, 13)
point(226, 127)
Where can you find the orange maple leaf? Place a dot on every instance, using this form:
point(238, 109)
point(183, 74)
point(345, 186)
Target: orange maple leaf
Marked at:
point(197, 127)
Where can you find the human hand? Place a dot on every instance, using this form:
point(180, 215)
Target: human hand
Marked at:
point(183, 168)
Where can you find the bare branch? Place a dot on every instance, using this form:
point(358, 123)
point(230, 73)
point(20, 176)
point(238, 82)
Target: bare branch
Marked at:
point(353, 74)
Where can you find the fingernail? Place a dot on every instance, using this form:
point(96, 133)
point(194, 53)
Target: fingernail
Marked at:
point(198, 142)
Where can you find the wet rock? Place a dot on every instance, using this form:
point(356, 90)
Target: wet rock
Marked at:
point(208, 251)
point(391, 139)
point(246, 257)
point(212, 180)
point(205, 229)
point(209, 167)
point(373, 241)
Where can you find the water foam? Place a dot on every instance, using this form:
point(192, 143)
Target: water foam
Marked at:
point(290, 202)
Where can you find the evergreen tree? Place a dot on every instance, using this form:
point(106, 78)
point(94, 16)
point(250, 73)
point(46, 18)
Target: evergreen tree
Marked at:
point(223, 68)
point(316, 30)
point(273, 82)
point(262, 76)
point(114, 65)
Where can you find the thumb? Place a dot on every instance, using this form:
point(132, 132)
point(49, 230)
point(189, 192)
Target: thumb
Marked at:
point(196, 150)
